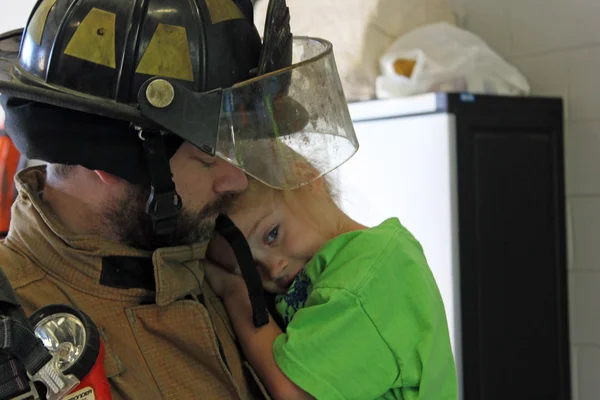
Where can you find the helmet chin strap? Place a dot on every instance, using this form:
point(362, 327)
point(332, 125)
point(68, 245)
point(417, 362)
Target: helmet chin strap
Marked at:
point(164, 203)
point(226, 228)
point(163, 207)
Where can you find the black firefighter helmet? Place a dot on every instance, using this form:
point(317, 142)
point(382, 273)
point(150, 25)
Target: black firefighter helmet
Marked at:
point(86, 76)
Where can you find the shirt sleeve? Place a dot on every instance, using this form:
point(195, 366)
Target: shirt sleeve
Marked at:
point(332, 350)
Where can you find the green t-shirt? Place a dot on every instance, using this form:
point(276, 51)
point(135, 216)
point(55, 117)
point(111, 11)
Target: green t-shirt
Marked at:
point(366, 321)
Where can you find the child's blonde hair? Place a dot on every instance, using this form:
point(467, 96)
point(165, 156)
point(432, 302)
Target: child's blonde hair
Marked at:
point(314, 201)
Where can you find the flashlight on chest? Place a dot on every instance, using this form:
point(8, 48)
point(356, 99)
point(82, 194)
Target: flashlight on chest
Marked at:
point(77, 352)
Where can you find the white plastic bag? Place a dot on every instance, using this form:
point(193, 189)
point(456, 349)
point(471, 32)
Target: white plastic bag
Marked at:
point(444, 58)
point(360, 30)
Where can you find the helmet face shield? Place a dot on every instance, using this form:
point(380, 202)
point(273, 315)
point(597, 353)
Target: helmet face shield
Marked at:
point(292, 126)
point(285, 128)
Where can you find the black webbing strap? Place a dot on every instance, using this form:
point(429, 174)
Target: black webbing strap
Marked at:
point(23, 344)
point(164, 203)
point(226, 228)
point(11, 368)
point(20, 349)
point(13, 378)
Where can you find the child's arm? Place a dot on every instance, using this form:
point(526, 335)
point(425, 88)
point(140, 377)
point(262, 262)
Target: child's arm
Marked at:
point(257, 343)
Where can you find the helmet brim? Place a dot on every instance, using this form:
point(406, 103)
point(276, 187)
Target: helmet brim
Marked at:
point(15, 84)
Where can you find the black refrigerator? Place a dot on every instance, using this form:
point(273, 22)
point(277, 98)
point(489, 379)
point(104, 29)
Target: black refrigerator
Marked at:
point(479, 180)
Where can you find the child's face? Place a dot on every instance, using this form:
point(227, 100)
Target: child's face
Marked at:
point(282, 242)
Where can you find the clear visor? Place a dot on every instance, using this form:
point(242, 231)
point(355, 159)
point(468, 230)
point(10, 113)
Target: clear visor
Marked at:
point(292, 126)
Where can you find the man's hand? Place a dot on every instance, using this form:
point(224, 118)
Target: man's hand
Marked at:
point(224, 283)
point(221, 253)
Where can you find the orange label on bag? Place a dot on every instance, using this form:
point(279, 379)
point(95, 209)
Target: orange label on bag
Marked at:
point(404, 67)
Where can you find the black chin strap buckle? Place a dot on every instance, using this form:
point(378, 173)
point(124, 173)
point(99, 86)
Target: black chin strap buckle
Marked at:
point(226, 228)
point(164, 203)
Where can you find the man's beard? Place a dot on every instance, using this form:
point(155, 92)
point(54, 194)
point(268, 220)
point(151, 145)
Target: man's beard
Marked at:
point(133, 226)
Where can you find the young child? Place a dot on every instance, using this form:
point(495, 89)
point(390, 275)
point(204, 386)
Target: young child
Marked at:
point(365, 319)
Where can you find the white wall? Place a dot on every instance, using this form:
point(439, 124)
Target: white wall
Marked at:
point(14, 13)
point(556, 44)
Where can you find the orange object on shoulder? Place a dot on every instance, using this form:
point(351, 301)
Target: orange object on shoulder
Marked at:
point(9, 162)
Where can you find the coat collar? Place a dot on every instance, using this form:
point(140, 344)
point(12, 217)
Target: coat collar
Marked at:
point(96, 265)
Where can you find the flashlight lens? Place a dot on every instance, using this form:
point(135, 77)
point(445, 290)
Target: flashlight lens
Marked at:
point(64, 335)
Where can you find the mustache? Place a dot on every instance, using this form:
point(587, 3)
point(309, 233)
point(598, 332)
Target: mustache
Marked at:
point(219, 206)
point(201, 225)
point(134, 227)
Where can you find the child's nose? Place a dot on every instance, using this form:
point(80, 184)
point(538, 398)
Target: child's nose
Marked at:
point(277, 266)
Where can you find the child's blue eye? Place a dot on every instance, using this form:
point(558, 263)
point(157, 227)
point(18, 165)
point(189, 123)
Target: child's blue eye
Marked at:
point(272, 235)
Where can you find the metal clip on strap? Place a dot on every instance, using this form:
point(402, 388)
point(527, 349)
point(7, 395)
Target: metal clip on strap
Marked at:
point(164, 203)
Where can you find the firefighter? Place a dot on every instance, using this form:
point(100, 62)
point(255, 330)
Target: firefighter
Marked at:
point(149, 114)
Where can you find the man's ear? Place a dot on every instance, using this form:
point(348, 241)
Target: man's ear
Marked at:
point(108, 179)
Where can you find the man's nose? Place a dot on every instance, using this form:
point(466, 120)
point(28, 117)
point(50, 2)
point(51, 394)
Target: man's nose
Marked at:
point(228, 179)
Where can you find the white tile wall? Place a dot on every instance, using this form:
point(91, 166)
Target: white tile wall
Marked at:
point(585, 231)
point(588, 378)
point(556, 44)
point(549, 25)
point(574, 373)
point(14, 13)
point(582, 158)
point(547, 74)
point(489, 19)
point(583, 307)
point(584, 96)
